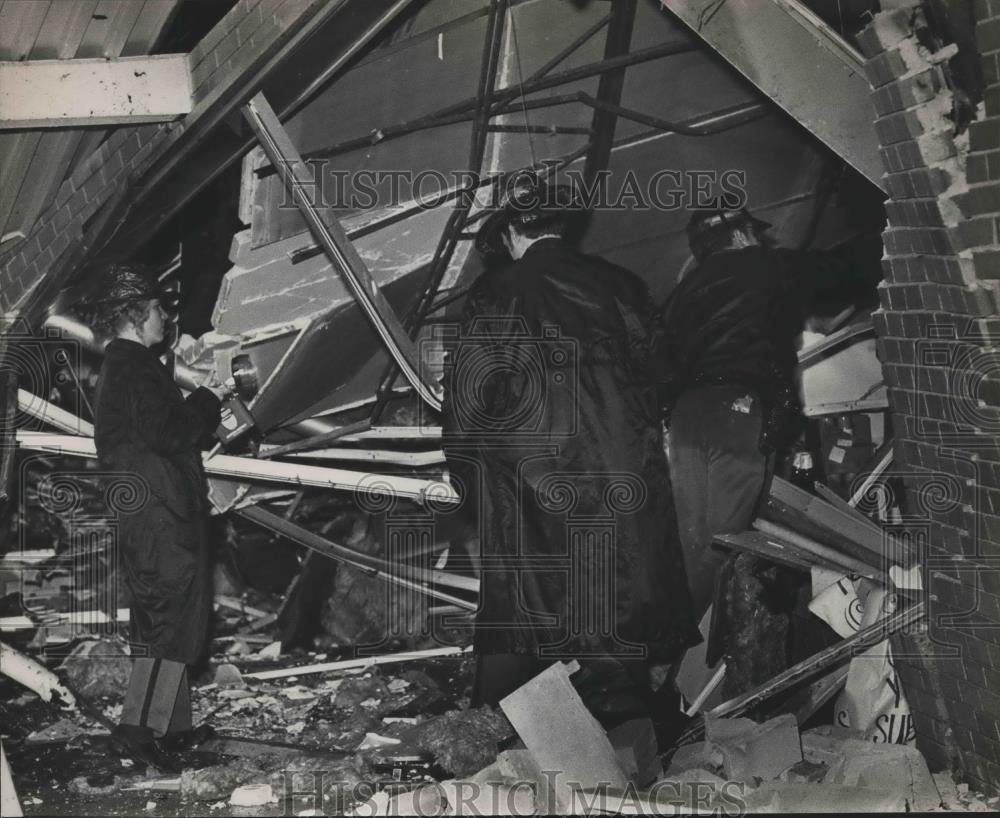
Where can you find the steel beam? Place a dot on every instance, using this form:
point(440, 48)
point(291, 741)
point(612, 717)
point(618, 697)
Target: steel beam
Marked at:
point(420, 580)
point(299, 179)
point(247, 469)
point(609, 89)
point(799, 63)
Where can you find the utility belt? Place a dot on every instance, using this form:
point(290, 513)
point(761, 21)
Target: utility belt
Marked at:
point(779, 401)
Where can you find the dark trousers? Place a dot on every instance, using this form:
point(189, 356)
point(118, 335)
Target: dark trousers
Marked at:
point(158, 699)
point(718, 474)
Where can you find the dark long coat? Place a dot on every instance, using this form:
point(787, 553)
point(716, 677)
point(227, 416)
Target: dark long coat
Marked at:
point(144, 428)
point(553, 439)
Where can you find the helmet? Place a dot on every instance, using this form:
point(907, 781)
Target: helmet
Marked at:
point(131, 283)
point(710, 222)
point(528, 200)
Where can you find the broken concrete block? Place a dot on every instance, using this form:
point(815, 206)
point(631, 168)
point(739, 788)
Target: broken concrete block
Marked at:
point(98, 669)
point(796, 797)
point(699, 755)
point(947, 789)
point(895, 768)
point(461, 741)
point(756, 750)
point(562, 735)
point(635, 744)
point(520, 765)
point(229, 676)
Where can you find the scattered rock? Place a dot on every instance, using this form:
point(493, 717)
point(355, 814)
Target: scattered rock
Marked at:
point(796, 798)
point(637, 751)
point(699, 755)
point(272, 651)
point(213, 783)
point(895, 768)
point(97, 669)
point(751, 750)
point(352, 692)
point(252, 795)
point(229, 676)
point(62, 730)
point(462, 741)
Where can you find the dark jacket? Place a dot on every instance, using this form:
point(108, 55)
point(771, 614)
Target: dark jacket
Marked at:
point(553, 439)
point(146, 429)
point(734, 318)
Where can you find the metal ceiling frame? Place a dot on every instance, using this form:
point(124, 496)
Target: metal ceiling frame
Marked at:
point(299, 180)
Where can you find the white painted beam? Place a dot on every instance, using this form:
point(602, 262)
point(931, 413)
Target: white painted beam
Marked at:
point(77, 93)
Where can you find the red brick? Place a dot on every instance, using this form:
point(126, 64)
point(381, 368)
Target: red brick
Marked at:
point(988, 35)
point(984, 134)
point(987, 264)
point(981, 231)
point(902, 156)
point(907, 92)
point(898, 127)
point(885, 67)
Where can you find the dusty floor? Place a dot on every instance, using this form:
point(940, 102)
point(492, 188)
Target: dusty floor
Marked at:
point(300, 735)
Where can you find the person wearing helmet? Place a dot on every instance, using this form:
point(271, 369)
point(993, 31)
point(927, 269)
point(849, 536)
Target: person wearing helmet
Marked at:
point(149, 436)
point(726, 361)
point(550, 426)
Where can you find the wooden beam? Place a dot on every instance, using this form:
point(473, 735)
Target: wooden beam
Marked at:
point(80, 93)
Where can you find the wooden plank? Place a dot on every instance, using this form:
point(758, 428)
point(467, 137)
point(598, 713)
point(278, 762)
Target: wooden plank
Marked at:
point(103, 91)
point(843, 506)
point(770, 548)
point(8, 409)
point(820, 551)
point(824, 522)
point(561, 733)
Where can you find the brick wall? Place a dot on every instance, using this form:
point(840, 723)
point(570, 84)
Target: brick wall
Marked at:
point(939, 342)
point(230, 50)
point(91, 186)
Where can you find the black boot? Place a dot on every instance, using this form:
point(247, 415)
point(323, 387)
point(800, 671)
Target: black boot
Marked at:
point(185, 739)
point(137, 743)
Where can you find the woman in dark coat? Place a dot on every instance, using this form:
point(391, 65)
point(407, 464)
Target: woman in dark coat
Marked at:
point(552, 433)
point(145, 429)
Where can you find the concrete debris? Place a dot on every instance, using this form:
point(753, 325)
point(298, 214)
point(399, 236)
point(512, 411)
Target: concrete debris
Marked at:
point(699, 755)
point(562, 735)
point(373, 741)
point(461, 741)
point(213, 783)
point(63, 730)
point(795, 798)
point(229, 676)
point(893, 768)
point(98, 669)
point(253, 795)
point(750, 750)
point(272, 651)
point(352, 692)
point(637, 751)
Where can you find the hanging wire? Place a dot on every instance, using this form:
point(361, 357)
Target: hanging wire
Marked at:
point(520, 80)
